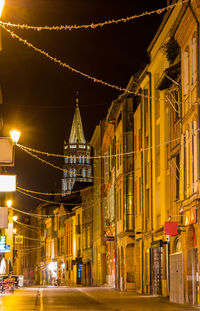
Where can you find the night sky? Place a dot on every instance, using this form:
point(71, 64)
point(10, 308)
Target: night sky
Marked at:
point(39, 95)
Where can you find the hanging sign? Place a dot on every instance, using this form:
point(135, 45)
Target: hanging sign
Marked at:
point(7, 183)
point(190, 216)
point(171, 228)
point(6, 152)
point(3, 217)
point(18, 239)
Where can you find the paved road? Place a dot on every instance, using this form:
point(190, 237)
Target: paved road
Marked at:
point(82, 299)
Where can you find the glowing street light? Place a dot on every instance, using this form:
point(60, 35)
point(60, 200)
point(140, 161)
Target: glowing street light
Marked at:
point(14, 231)
point(14, 218)
point(9, 203)
point(2, 2)
point(15, 135)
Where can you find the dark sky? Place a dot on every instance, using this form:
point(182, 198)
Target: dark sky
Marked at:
point(39, 95)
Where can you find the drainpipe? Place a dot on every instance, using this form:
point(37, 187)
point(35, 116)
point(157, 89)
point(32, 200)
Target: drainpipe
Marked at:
point(142, 168)
point(198, 86)
point(150, 143)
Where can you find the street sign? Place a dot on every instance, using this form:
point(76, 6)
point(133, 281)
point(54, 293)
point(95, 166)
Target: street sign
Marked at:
point(6, 152)
point(7, 183)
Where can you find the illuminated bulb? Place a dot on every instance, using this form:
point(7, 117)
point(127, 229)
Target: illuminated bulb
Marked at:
point(9, 203)
point(2, 2)
point(15, 135)
point(14, 231)
point(14, 218)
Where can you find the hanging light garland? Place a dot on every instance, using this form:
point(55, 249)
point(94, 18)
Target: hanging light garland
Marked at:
point(92, 25)
point(63, 64)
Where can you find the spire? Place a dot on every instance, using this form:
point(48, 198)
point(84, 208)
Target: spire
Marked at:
point(77, 134)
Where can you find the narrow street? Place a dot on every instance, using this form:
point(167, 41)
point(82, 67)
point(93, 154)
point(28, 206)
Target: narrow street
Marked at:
point(63, 298)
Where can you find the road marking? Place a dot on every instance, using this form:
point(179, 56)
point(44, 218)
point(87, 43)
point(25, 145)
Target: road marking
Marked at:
point(41, 300)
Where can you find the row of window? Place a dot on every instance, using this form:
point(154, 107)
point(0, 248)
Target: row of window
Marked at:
point(74, 159)
point(82, 173)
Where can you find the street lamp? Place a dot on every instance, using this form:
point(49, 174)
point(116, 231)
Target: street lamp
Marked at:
point(15, 135)
point(9, 203)
point(14, 218)
point(2, 2)
point(14, 231)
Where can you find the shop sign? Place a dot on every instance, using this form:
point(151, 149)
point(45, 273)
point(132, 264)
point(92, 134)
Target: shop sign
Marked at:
point(19, 239)
point(7, 250)
point(190, 216)
point(2, 243)
point(171, 228)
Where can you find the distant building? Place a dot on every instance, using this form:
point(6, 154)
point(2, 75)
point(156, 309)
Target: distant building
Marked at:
point(78, 167)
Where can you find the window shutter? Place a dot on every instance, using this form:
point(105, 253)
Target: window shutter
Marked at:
point(187, 166)
point(182, 168)
point(185, 72)
point(192, 156)
point(195, 155)
point(194, 60)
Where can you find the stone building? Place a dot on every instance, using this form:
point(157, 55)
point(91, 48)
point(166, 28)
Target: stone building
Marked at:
point(77, 166)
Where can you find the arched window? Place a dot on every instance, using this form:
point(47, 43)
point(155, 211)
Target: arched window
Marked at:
point(80, 159)
point(71, 159)
point(74, 159)
point(89, 172)
point(83, 172)
point(177, 246)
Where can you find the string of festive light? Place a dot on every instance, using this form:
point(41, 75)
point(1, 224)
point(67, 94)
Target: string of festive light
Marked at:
point(31, 226)
point(30, 214)
point(30, 248)
point(24, 226)
point(93, 25)
point(91, 187)
point(103, 156)
point(67, 193)
point(70, 213)
point(53, 165)
point(63, 64)
point(92, 78)
point(47, 201)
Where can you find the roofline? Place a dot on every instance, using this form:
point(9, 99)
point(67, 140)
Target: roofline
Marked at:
point(165, 19)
